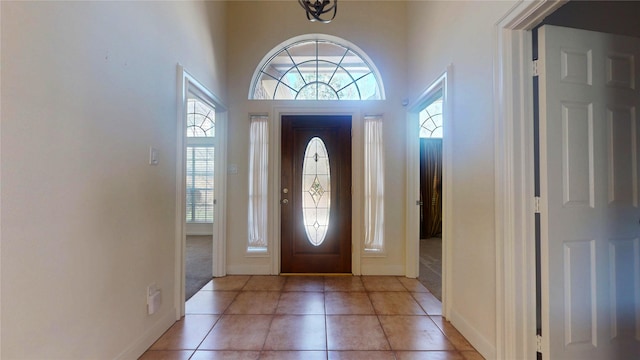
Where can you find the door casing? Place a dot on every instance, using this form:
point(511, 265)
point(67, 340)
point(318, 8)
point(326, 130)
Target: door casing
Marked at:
point(188, 83)
point(441, 83)
point(514, 203)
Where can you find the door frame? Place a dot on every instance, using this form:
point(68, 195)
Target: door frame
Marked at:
point(357, 159)
point(514, 178)
point(187, 83)
point(443, 81)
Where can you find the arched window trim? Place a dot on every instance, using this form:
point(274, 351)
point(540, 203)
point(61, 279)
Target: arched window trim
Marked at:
point(316, 37)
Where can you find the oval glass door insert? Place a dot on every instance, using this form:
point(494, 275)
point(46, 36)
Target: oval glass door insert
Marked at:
point(316, 191)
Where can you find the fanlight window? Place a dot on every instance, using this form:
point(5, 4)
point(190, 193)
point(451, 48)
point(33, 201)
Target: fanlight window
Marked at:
point(316, 70)
point(316, 191)
point(200, 119)
point(431, 120)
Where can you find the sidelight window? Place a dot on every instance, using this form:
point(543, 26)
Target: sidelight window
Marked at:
point(373, 184)
point(258, 182)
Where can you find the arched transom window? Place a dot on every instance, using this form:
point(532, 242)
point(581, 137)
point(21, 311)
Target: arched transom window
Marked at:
point(431, 118)
point(321, 68)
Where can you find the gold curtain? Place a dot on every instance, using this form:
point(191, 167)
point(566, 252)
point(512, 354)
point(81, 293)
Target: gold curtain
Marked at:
point(430, 187)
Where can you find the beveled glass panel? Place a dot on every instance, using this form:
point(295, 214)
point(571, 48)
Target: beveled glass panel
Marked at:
point(325, 71)
point(326, 92)
point(309, 70)
point(316, 191)
point(368, 87)
point(308, 92)
point(293, 80)
point(279, 65)
point(340, 79)
point(354, 64)
point(349, 93)
point(265, 87)
point(303, 51)
point(331, 51)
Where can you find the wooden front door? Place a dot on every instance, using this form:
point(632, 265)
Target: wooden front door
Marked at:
point(315, 194)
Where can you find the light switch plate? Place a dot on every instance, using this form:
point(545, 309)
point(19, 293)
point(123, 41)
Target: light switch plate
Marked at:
point(153, 156)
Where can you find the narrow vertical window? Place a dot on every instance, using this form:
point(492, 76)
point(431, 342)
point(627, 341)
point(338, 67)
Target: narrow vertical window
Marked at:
point(258, 182)
point(200, 161)
point(373, 184)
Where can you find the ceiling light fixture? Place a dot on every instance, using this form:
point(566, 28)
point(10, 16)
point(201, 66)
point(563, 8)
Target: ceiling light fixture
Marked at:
point(317, 8)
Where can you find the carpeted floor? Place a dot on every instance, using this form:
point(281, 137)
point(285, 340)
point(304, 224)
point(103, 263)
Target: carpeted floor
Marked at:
point(199, 263)
point(431, 265)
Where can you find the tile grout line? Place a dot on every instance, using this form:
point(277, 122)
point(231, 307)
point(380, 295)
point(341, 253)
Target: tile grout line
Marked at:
point(326, 320)
point(273, 317)
point(219, 316)
point(377, 312)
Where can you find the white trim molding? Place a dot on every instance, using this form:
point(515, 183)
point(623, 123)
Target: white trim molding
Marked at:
point(412, 264)
point(515, 242)
point(188, 84)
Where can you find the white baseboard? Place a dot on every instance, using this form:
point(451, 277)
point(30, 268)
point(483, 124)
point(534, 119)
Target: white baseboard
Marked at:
point(249, 270)
point(141, 344)
point(473, 335)
point(391, 270)
point(371, 269)
point(199, 229)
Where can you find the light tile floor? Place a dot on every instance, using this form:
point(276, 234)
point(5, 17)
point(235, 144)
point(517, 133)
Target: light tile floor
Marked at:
point(312, 317)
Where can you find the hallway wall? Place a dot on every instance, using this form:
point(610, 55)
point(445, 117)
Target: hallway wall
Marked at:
point(87, 224)
point(461, 33)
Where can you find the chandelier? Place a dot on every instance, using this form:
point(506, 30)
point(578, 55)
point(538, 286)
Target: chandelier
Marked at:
point(317, 8)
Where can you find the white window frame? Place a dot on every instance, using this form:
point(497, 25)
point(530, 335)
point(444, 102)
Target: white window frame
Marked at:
point(202, 227)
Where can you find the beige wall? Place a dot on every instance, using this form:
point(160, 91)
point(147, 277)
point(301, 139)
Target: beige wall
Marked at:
point(87, 224)
point(257, 28)
point(461, 33)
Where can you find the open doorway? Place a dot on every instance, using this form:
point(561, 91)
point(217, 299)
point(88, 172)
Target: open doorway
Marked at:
point(430, 120)
point(200, 191)
point(430, 172)
point(200, 146)
point(515, 237)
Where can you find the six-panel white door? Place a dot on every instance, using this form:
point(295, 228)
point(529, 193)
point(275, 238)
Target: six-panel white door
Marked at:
point(589, 160)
